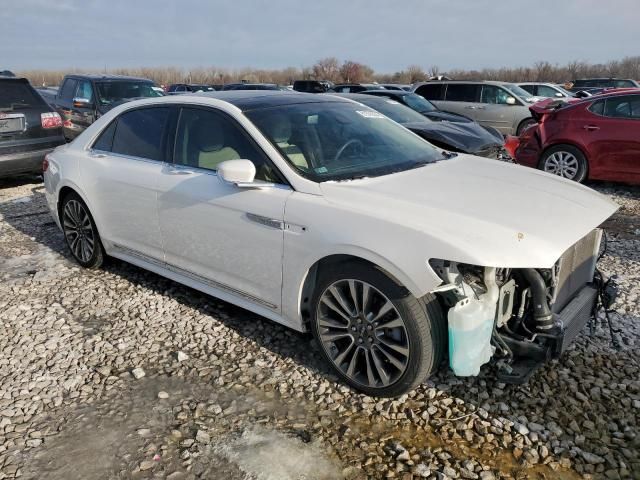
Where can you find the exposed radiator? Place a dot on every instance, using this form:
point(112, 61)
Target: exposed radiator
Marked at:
point(576, 268)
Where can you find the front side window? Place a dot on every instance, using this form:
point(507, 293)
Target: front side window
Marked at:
point(85, 91)
point(117, 91)
point(339, 140)
point(495, 95)
point(623, 107)
point(140, 133)
point(462, 92)
point(205, 138)
point(530, 88)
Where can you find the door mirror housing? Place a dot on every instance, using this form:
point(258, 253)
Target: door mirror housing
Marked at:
point(559, 95)
point(82, 103)
point(241, 173)
point(511, 101)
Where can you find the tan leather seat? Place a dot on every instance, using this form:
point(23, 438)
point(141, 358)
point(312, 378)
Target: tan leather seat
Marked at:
point(208, 147)
point(279, 128)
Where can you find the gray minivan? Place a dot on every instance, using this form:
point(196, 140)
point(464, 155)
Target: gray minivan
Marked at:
point(502, 105)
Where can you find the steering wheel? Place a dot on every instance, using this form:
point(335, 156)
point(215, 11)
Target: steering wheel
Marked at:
point(353, 141)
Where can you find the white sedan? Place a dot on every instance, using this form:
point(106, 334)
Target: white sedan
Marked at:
point(324, 215)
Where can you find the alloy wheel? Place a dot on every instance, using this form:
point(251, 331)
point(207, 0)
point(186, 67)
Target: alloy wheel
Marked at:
point(564, 164)
point(78, 230)
point(363, 333)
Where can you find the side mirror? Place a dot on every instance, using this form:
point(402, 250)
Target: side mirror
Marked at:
point(559, 95)
point(241, 173)
point(82, 103)
point(511, 101)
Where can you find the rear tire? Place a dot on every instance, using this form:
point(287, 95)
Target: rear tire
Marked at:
point(524, 125)
point(565, 161)
point(378, 337)
point(80, 232)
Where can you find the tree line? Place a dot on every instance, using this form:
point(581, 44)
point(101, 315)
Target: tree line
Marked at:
point(352, 71)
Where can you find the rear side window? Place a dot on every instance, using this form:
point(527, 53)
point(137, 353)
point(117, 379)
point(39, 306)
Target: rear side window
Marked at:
point(140, 133)
point(462, 92)
point(623, 107)
point(434, 91)
point(105, 140)
point(18, 95)
point(68, 89)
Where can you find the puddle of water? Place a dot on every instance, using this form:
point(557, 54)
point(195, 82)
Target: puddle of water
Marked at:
point(267, 454)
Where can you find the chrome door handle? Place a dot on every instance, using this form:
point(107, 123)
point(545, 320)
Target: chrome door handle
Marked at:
point(591, 128)
point(179, 171)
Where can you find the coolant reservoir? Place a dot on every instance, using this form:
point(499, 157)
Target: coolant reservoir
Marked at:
point(470, 328)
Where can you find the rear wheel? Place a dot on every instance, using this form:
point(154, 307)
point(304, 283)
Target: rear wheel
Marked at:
point(524, 125)
point(378, 337)
point(565, 161)
point(80, 232)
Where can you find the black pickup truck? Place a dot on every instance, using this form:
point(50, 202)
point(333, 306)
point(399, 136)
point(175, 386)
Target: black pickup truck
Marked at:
point(81, 99)
point(29, 127)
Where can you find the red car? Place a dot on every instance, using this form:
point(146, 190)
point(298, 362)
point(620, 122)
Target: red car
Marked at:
point(594, 138)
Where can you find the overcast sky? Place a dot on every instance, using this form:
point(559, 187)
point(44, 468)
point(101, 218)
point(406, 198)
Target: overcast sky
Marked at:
point(92, 34)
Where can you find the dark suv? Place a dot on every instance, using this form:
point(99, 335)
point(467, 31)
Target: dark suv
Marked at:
point(29, 127)
point(82, 99)
point(596, 85)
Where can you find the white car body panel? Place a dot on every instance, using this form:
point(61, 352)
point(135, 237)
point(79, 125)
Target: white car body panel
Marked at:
point(467, 209)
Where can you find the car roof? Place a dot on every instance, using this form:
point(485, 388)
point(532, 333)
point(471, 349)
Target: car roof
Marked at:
point(479, 82)
point(537, 83)
point(106, 78)
point(255, 99)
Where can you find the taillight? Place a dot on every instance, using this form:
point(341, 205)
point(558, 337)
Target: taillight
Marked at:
point(45, 163)
point(50, 120)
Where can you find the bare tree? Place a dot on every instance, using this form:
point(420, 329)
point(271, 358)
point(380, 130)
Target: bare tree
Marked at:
point(326, 69)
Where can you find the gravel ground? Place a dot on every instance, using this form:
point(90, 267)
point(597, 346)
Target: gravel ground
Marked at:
point(119, 373)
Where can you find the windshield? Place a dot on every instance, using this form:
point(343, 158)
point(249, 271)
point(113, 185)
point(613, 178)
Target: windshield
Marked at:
point(340, 140)
point(112, 92)
point(418, 103)
point(394, 110)
point(519, 92)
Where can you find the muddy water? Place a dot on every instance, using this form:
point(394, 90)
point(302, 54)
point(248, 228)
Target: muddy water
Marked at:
point(254, 434)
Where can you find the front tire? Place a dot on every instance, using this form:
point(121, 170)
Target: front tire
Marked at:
point(565, 161)
point(378, 337)
point(80, 232)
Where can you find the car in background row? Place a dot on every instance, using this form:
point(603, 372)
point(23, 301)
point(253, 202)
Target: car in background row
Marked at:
point(355, 87)
point(250, 86)
point(396, 86)
point(312, 86)
point(595, 138)
point(502, 105)
point(597, 85)
point(464, 137)
point(29, 127)
point(177, 88)
point(421, 105)
point(81, 99)
point(546, 90)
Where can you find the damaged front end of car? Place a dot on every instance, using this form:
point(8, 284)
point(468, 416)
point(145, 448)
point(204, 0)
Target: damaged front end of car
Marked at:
point(521, 317)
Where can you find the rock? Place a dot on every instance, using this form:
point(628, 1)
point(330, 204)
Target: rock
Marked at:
point(147, 465)
point(203, 437)
point(520, 428)
point(163, 395)
point(535, 427)
point(487, 475)
point(403, 456)
point(591, 458)
point(138, 373)
point(181, 356)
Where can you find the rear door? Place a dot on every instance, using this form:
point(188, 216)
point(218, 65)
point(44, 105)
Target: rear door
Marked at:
point(123, 173)
point(611, 132)
point(461, 98)
point(21, 131)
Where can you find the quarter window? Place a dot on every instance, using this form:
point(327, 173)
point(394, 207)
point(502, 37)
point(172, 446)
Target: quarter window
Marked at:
point(140, 133)
point(68, 89)
point(462, 92)
point(433, 91)
point(105, 140)
point(205, 138)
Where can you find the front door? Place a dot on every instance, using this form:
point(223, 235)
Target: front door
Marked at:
point(228, 237)
point(494, 111)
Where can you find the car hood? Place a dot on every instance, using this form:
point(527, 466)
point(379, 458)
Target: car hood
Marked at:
point(465, 137)
point(479, 211)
